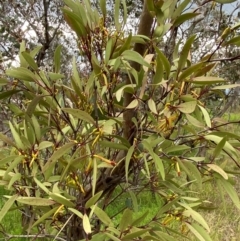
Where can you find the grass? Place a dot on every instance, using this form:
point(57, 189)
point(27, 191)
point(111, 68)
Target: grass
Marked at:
point(224, 221)
point(146, 202)
point(11, 222)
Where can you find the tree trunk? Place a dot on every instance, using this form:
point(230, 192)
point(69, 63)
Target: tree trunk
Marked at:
point(116, 175)
point(145, 26)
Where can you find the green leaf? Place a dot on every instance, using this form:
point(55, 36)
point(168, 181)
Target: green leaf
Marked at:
point(234, 41)
point(159, 165)
point(224, 87)
point(227, 147)
point(75, 79)
point(57, 154)
point(86, 224)
point(29, 60)
point(197, 217)
point(168, 206)
point(102, 216)
point(183, 18)
point(219, 170)
point(126, 220)
point(112, 237)
point(134, 200)
point(23, 62)
point(45, 216)
point(113, 145)
point(230, 191)
point(124, 11)
point(205, 80)
point(21, 73)
point(35, 201)
point(78, 8)
point(44, 145)
point(7, 160)
point(119, 92)
point(116, 15)
point(135, 234)
point(192, 171)
point(82, 115)
point(75, 21)
point(236, 26)
point(150, 6)
point(140, 219)
point(5, 139)
point(194, 121)
point(92, 16)
point(176, 148)
point(16, 137)
point(133, 104)
point(94, 176)
point(7, 206)
point(158, 32)
point(76, 212)
point(99, 236)
point(164, 236)
point(55, 76)
point(41, 185)
point(61, 199)
point(164, 61)
point(57, 59)
point(225, 134)
point(158, 77)
point(16, 177)
point(136, 57)
point(96, 65)
point(152, 106)
point(102, 4)
point(148, 58)
point(37, 129)
point(108, 50)
point(206, 116)
point(13, 165)
point(128, 159)
point(187, 98)
point(35, 51)
point(187, 107)
point(114, 231)
point(156, 158)
point(195, 232)
point(184, 53)
point(187, 72)
point(3, 82)
point(180, 8)
point(32, 106)
point(219, 147)
point(201, 231)
point(92, 201)
point(28, 132)
point(225, 1)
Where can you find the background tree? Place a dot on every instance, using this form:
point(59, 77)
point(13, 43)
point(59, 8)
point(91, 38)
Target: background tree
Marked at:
point(134, 117)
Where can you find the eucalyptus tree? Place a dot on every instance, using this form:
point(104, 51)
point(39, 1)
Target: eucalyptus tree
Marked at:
point(131, 117)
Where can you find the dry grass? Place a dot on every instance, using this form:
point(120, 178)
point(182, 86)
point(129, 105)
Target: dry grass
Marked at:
point(224, 222)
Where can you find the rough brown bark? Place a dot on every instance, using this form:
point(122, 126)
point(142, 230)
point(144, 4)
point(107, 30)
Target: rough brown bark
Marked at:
point(145, 24)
